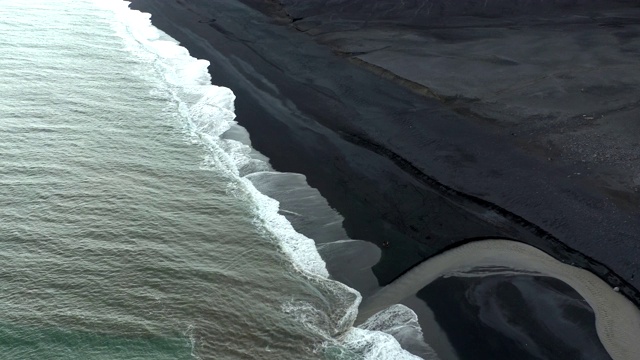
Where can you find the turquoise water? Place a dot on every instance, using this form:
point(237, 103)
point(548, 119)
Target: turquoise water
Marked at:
point(127, 227)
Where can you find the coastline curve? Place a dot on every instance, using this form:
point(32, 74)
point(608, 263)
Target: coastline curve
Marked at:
point(617, 318)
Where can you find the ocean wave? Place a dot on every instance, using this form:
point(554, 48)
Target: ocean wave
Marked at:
point(208, 114)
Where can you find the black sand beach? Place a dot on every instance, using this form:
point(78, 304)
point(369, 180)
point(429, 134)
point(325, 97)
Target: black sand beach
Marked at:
point(485, 317)
point(430, 129)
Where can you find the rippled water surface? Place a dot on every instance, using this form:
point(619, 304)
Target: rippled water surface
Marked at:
point(135, 221)
point(126, 233)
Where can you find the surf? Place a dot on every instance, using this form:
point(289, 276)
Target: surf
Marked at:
point(286, 208)
point(296, 217)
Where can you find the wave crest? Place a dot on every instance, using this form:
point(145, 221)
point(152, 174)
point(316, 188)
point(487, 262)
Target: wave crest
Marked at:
point(208, 116)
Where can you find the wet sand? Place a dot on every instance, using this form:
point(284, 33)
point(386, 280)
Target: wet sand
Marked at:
point(512, 317)
point(617, 320)
point(413, 164)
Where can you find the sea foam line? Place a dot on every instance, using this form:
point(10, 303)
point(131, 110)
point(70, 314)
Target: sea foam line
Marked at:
point(209, 113)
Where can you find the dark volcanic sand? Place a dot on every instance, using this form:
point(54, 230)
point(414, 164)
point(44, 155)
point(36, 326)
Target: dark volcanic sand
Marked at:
point(509, 317)
point(424, 173)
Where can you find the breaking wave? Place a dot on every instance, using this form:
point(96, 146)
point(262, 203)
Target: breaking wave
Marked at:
point(207, 113)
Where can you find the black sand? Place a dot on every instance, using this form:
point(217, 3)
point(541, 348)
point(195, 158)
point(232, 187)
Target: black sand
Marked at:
point(514, 317)
point(444, 154)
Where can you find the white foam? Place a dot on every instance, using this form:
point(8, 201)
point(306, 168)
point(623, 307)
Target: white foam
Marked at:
point(208, 112)
point(375, 345)
point(315, 219)
point(402, 323)
point(189, 333)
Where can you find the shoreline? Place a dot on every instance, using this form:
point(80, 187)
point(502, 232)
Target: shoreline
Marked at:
point(362, 141)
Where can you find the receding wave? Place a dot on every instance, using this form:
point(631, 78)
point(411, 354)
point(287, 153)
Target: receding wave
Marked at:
point(617, 318)
point(292, 213)
point(207, 113)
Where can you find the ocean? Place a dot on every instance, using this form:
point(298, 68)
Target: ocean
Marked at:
point(137, 222)
point(131, 225)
